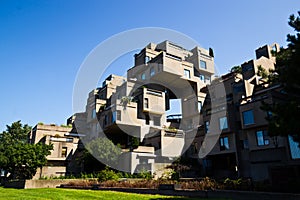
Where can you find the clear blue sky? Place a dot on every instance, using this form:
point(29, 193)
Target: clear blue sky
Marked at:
point(43, 43)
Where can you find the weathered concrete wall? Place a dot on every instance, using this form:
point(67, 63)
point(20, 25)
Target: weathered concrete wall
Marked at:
point(53, 183)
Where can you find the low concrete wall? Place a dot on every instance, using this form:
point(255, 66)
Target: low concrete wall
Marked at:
point(25, 184)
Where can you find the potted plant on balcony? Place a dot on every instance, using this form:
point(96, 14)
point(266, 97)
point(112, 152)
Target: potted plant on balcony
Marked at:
point(125, 100)
point(170, 129)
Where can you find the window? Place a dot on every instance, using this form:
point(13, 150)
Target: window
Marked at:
point(223, 123)
point(201, 77)
point(147, 59)
point(224, 143)
point(248, 117)
point(93, 114)
point(64, 152)
point(187, 73)
point(207, 79)
point(143, 76)
point(156, 121)
point(69, 139)
point(113, 117)
point(199, 106)
point(261, 137)
point(244, 144)
point(147, 119)
point(203, 64)
point(146, 103)
point(294, 148)
point(206, 123)
point(152, 71)
point(269, 114)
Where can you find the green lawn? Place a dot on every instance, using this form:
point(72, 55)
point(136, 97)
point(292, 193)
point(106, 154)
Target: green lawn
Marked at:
point(65, 194)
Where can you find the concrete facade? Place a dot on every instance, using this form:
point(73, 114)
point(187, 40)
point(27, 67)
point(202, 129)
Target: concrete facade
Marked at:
point(244, 148)
point(65, 144)
point(136, 105)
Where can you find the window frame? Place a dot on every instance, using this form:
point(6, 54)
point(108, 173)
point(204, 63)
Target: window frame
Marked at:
point(203, 64)
point(187, 73)
point(252, 121)
point(146, 103)
point(221, 125)
point(202, 77)
point(223, 146)
point(264, 136)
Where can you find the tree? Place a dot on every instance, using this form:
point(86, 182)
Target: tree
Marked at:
point(236, 69)
point(285, 113)
point(100, 152)
point(18, 157)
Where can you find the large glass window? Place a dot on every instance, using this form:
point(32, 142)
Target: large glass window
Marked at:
point(224, 143)
point(187, 73)
point(223, 123)
point(203, 64)
point(248, 117)
point(261, 137)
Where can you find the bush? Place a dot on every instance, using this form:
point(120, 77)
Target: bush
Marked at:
point(107, 174)
point(144, 174)
point(169, 174)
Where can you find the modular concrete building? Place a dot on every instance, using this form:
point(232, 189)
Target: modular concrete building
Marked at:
point(244, 147)
point(65, 144)
point(221, 125)
point(136, 105)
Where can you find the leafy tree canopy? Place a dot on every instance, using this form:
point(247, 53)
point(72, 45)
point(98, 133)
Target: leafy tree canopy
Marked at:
point(18, 157)
point(286, 112)
point(101, 149)
point(236, 69)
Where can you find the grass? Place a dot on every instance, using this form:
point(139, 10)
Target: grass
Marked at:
point(65, 194)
